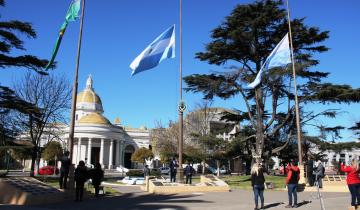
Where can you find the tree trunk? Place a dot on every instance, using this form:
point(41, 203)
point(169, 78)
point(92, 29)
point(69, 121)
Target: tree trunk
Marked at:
point(218, 167)
point(203, 167)
point(33, 160)
point(259, 125)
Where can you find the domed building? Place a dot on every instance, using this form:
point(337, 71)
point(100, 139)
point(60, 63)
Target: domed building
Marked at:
point(96, 139)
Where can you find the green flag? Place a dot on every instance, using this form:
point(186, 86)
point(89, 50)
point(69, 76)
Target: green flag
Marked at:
point(71, 15)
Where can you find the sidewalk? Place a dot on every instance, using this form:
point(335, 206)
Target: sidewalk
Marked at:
point(132, 198)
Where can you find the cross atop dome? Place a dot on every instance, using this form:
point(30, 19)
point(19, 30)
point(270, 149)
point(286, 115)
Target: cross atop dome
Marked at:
point(89, 82)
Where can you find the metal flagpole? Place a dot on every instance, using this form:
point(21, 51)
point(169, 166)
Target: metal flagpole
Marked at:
point(180, 176)
point(74, 95)
point(299, 137)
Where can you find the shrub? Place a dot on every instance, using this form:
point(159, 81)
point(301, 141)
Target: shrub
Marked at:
point(135, 173)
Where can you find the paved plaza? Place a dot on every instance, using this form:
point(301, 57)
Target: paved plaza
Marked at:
point(132, 198)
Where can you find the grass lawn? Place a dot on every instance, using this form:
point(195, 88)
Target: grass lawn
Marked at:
point(52, 181)
point(244, 182)
point(112, 180)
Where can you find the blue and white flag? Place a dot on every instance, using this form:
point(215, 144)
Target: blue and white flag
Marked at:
point(161, 48)
point(280, 56)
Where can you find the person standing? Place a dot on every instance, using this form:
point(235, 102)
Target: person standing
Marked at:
point(319, 174)
point(257, 183)
point(97, 175)
point(189, 170)
point(81, 175)
point(146, 171)
point(64, 170)
point(292, 181)
point(353, 181)
point(310, 172)
point(173, 166)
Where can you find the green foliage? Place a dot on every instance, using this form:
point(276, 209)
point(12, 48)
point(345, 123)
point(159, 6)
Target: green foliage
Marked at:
point(331, 93)
point(9, 31)
point(244, 182)
point(336, 165)
point(356, 129)
point(11, 56)
point(51, 150)
point(193, 154)
point(154, 172)
point(23, 153)
point(136, 173)
point(166, 156)
point(141, 154)
point(246, 37)
point(140, 173)
point(336, 147)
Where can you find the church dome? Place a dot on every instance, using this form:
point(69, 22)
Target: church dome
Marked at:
point(94, 118)
point(87, 100)
point(88, 96)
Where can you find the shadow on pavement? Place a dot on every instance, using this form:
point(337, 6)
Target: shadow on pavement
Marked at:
point(273, 205)
point(303, 203)
point(129, 201)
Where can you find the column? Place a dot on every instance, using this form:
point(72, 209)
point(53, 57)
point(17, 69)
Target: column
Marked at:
point(79, 150)
point(111, 153)
point(122, 153)
point(117, 151)
point(89, 152)
point(101, 161)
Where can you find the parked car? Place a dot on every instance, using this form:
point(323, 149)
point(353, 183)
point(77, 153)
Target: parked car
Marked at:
point(133, 180)
point(48, 170)
point(222, 170)
point(164, 170)
point(122, 169)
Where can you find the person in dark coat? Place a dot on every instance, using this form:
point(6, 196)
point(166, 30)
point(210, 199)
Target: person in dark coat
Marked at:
point(188, 171)
point(64, 169)
point(146, 171)
point(81, 175)
point(173, 166)
point(97, 175)
point(310, 172)
point(319, 173)
point(257, 182)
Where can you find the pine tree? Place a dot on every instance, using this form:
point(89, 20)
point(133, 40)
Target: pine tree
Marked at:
point(9, 101)
point(246, 37)
point(9, 41)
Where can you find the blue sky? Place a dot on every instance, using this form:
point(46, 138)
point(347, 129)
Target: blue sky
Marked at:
point(115, 32)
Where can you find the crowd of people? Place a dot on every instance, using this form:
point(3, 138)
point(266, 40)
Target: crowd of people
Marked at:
point(292, 171)
point(314, 175)
point(82, 174)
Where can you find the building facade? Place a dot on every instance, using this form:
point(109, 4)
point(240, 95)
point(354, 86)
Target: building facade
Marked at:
point(96, 139)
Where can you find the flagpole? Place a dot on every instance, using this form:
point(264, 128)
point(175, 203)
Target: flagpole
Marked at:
point(74, 95)
point(180, 176)
point(299, 137)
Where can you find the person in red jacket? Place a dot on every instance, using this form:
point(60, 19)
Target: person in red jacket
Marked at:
point(292, 181)
point(353, 181)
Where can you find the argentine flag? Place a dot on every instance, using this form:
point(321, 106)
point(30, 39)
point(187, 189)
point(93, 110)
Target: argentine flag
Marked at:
point(161, 48)
point(280, 56)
